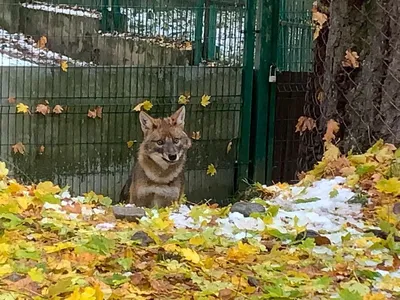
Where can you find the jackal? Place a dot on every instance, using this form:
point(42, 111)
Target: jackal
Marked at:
point(157, 178)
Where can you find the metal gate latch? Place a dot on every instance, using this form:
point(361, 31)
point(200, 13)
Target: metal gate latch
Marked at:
point(272, 74)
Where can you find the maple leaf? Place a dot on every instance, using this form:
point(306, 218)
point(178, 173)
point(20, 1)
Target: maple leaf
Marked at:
point(374, 296)
point(36, 274)
point(305, 123)
point(211, 170)
point(43, 109)
point(332, 127)
point(319, 19)
point(190, 255)
point(331, 152)
point(183, 99)
point(11, 100)
point(196, 135)
point(42, 42)
point(88, 293)
point(99, 111)
point(205, 100)
point(389, 186)
point(18, 148)
point(92, 113)
point(351, 59)
point(58, 109)
point(130, 144)
point(64, 65)
point(22, 108)
point(47, 187)
point(41, 149)
point(146, 105)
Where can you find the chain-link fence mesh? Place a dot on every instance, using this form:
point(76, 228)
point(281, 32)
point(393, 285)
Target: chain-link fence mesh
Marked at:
point(355, 79)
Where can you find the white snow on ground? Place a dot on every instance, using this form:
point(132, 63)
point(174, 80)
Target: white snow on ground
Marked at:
point(16, 49)
point(63, 9)
point(322, 213)
point(8, 61)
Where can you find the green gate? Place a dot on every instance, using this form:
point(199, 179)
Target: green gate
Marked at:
point(283, 60)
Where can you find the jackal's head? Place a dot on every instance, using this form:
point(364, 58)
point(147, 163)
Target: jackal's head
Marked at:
point(165, 140)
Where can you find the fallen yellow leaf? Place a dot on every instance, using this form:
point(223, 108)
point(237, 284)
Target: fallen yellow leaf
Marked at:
point(205, 100)
point(146, 105)
point(22, 108)
point(190, 255)
point(64, 65)
point(211, 170)
point(130, 144)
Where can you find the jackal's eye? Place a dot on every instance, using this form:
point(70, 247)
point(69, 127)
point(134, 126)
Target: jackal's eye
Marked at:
point(175, 140)
point(160, 142)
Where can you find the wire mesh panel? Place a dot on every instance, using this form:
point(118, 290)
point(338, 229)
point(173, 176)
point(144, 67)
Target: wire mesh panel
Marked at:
point(294, 66)
point(70, 81)
point(356, 81)
point(295, 36)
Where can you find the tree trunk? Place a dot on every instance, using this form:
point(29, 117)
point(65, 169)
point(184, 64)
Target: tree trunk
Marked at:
point(364, 100)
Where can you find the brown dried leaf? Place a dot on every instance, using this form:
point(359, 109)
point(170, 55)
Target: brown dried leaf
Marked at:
point(99, 111)
point(42, 42)
point(305, 123)
point(351, 59)
point(75, 208)
point(11, 100)
point(43, 109)
point(138, 279)
point(332, 127)
point(18, 148)
point(58, 109)
point(196, 135)
point(319, 20)
point(322, 240)
point(92, 113)
point(41, 149)
point(226, 294)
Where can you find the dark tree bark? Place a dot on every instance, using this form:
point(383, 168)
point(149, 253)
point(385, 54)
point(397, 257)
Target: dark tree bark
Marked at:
point(364, 100)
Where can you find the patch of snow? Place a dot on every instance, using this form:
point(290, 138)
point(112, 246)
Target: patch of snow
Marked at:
point(16, 48)
point(325, 214)
point(55, 207)
point(105, 226)
point(63, 9)
point(8, 61)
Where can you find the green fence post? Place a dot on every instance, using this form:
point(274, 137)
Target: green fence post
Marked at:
point(198, 32)
point(117, 16)
point(265, 107)
point(212, 32)
point(247, 94)
point(272, 98)
point(104, 16)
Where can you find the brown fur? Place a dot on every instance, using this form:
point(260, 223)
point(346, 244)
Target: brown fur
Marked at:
point(157, 178)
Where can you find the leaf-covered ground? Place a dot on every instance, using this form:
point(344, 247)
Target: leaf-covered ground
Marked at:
point(332, 236)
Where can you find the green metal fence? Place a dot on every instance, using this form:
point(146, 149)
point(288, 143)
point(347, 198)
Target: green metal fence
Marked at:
point(81, 66)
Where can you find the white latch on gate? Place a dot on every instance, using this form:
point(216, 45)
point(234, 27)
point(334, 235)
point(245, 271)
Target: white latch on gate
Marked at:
point(272, 74)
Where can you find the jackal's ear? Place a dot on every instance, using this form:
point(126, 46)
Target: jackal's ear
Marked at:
point(146, 122)
point(179, 116)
